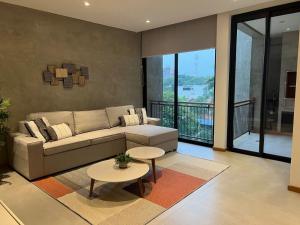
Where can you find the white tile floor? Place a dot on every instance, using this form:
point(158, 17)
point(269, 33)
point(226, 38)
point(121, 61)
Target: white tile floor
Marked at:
point(274, 144)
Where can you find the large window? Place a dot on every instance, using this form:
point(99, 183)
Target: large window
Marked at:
point(196, 74)
point(180, 91)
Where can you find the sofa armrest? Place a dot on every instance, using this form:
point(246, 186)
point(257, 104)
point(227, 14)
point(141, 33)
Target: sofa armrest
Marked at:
point(153, 121)
point(26, 155)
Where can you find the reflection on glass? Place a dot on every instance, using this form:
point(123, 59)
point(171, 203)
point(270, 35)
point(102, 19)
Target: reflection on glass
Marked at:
point(281, 84)
point(250, 47)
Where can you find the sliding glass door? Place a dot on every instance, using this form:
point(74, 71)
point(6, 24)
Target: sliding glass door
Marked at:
point(263, 70)
point(250, 48)
point(180, 91)
point(281, 84)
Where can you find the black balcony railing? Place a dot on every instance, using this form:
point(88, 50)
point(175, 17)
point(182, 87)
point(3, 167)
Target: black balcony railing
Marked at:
point(243, 121)
point(195, 120)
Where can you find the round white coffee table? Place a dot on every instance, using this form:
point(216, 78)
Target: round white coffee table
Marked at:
point(108, 171)
point(147, 153)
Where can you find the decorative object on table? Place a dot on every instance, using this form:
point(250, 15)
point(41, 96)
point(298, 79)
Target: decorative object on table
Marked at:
point(68, 73)
point(122, 160)
point(4, 114)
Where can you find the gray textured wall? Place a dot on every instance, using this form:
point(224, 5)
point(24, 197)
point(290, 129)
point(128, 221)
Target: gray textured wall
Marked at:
point(31, 39)
point(154, 80)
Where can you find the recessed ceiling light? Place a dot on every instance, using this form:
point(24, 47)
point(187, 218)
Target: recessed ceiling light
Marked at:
point(288, 29)
point(148, 21)
point(87, 3)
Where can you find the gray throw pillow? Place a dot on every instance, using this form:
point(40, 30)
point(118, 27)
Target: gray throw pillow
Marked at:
point(41, 124)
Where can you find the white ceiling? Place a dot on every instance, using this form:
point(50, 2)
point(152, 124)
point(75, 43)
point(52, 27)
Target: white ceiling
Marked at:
point(132, 14)
point(279, 24)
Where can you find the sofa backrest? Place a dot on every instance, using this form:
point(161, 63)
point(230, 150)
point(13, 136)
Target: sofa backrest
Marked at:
point(114, 113)
point(55, 118)
point(91, 120)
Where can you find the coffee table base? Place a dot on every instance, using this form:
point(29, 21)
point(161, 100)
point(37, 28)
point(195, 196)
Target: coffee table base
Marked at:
point(92, 187)
point(139, 183)
point(153, 170)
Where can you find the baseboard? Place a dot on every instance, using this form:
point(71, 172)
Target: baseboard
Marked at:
point(294, 189)
point(219, 149)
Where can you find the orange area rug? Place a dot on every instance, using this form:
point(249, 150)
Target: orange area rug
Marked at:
point(53, 187)
point(170, 187)
point(118, 203)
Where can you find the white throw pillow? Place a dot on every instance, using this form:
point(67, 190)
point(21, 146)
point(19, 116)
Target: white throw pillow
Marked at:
point(131, 111)
point(59, 131)
point(130, 120)
point(145, 118)
point(142, 114)
point(34, 130)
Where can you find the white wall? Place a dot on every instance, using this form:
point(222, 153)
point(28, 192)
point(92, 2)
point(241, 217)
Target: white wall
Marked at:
point(295, 165)
point(222, 80)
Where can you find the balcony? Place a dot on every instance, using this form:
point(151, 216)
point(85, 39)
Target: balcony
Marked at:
point(195, 120)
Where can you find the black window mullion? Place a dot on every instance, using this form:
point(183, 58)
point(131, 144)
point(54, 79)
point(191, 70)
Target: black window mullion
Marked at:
point(176, 92)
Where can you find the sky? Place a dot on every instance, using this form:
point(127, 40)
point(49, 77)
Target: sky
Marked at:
point(197, 63)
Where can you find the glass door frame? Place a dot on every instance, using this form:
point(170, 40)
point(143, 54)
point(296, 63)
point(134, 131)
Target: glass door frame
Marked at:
point(267, 13)
point(176, 116)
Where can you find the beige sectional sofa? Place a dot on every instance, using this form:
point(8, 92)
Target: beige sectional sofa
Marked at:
point(97, 135)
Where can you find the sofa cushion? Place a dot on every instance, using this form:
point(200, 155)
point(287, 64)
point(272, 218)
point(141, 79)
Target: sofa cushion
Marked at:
point(114, 113)
point(150, 135)
point(66, 144)
point(101, 136)
point(86, 121)
point(55, 118)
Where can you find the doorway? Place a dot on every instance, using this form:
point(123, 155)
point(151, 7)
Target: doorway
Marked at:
point(263, 71)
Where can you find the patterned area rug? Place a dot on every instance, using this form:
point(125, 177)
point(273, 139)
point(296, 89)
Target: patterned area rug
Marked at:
point(112, 204)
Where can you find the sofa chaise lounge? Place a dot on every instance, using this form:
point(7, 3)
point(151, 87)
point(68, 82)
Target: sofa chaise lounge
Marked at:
point(97, 135)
